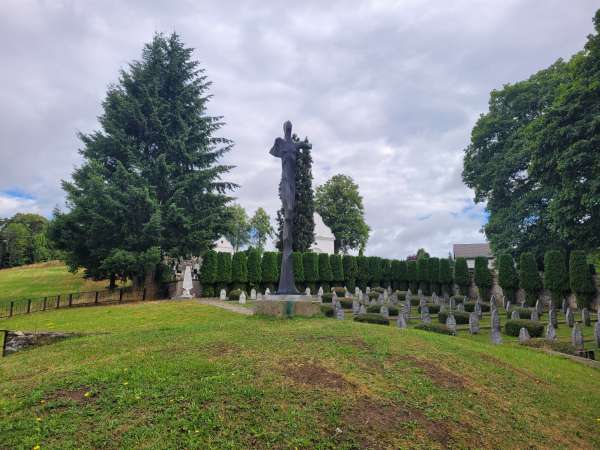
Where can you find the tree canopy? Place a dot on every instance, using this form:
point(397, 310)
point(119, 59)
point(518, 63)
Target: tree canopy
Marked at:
point(260, 229)
point(23, 240)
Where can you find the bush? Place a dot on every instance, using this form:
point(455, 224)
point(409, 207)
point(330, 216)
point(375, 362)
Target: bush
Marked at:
point(401, 295)
point(208, 290)
point(311, 268)
point(239, 268)
point(350, 269)
point(460, 317)
point(337, 268)
point(470, 306)
point(325, 275)
point(423, 273)
point(581, 278)
point(524, 313)
point(445, 275)
point(373, 295)
point(435, 327)
point(556, 277)
point(508, 278)
point(327, 310)
point(234, 294)
point(339, 291)
point(372, 318)
point(224, 268)
point(362, 273)
point(393, 311)
point(298, 267)
point(434, 274)
point(529, 277)
point(414, 301)
point(483, 276)
point(433, 308)
point(513, 327)
point(386, 272)
point(253, 263)
point(402, 275)
point(411, 275)
point(375, 270)
point(326, 297)
point(461, 275)
point(208, 271)
point(346, 302)
point(269, 268)
point(378, 289)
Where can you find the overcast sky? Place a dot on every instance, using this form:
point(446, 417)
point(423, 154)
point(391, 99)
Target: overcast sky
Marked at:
point(387, 91)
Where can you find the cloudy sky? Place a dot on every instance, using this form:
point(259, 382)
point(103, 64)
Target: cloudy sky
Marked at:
point(387, 91)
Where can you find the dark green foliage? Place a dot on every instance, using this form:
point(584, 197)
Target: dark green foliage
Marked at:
point(269, 271)
point(375, 272)
point(411, 275)
point(402, 276)
point(239, 269)
point(373, 295)
point(395, 273)
point(433, 271)
point(461, 318)
point(339, 291)
point(327, 297)
point(304, 225)
point(327, 310)
point(470, 306)
point(223, 268)
point(513, 327)
point(435, 328)
point(208, 271)
point(556, 277)
point(529, 277)
point(350, 271)
point(337, 268)
point(461, 275)
point(150, 183)
point(208, 291)
point(392, 310)
point(340, 205)
point(325, 274)
point(386, 272)
point(372, 318)
point(254, 268)
point(423, 274)
point(580, 278)
point(298, 258)
point(362, 274)
point(24, 240)
point(346, 303)
point(524, 313)
point(311, 269)
point(508, 278)
point(433, 308)
point(483, 276)
point(445, 272)
point(234, 294)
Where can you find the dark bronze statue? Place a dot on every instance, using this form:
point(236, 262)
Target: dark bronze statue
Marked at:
point(287, 149)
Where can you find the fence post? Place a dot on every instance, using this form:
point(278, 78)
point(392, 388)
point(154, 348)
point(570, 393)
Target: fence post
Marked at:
point(45, 302)
point(144, 294)
point(96, 299)
point(10, 310)
point(28, 305)
point(70, 300)
point(121, 295)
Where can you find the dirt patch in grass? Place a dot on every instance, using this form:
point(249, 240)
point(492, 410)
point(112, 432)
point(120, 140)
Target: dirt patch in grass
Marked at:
point(377, 425)
point(221, 348)
point(310, 374)
point(75, 395)
point(439, 375)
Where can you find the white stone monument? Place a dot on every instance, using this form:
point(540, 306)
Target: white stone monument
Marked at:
point(187, 283)
point(242, 298)
point(223, 295)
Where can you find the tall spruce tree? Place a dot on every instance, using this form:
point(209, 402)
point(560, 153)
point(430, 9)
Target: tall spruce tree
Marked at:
point(150, 183)
point(508, 278)
point(556, 277)
point(462, 278)
point(304, 223)
point(529, 277)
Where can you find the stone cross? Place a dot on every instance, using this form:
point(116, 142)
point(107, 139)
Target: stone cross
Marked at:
point(577, 337)
point(242, 299)
point(223, 295)
point(550, 333)
point(585, 317)
point(570, 317)
point(253, 294)
point(515, 315)
point(474, 323)
point(524, 335)
point(401, 321)
point(451, 322)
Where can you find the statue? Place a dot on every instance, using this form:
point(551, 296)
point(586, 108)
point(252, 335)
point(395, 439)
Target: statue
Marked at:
point(287, 149)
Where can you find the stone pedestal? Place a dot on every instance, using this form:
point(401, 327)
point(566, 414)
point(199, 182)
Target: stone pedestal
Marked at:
point(289, 306)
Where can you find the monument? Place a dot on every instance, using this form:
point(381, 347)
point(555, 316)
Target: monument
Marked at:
point(287, 301)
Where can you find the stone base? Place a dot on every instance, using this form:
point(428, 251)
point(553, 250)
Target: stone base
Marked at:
point(288, 306)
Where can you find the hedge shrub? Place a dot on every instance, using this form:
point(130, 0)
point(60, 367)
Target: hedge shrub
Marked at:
point(556, 277)
point(402, 276)
point(346, 302)
point(434, 274)
point(433, 308)
point(234, 294)
point(208, 291)
point(298, 261)
point(508, 278)
point(325, 275)
point(524, 313)
point(411, 275)
point(483, 276)
point(350, 269)
point(337, 268)
point(327, 297)
point(339, 291)
point(327, 310)
point(372, 318)
point(239, 269)
point(208, 271)
point(445, 275)
point(513, 327)
point(375, 270)
point(362, 271)
point(580, 277)
point(423, 274)
point(460, 317)
point(461, 275)
point(470, 306)
point(311, 269)
point(224, 268)
point(269, 269)
point(435, 328)
point(373, 295)
point(392, 310)
point(254, 267)
point(386, 272)
point(529, 277)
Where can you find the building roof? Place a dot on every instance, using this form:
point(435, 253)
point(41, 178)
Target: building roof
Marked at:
point(472, 250)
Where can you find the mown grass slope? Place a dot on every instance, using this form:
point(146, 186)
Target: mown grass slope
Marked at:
point(184, 375)
point(39, 280)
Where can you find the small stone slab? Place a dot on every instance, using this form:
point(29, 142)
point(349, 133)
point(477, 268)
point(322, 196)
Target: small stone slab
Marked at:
point(495, 320)
point(553, 317)
point(597, 333)
point(585, 317)
point(550, 333)
point(401, 322)
point(223, 295)
point(320, 291)
point(524, 335)
point(474, 323)
point(451, 323)
point(253, 294)
point(577, 337)
point(242, 299)
point(339, 314)
point(496, 337)
point(564, 306)
point(384, 312)
point(515, 315)
point(570, 318)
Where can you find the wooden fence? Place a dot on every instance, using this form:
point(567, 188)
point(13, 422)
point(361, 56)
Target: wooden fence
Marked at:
point(91, 298)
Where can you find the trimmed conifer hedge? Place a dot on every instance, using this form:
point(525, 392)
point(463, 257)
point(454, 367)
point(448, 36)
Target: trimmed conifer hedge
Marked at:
point(269, 269)
point(254, 268)
point(362, 273)
point(461, 318)
point(435, 328)
point(372, 318)
point(483, 277)
point(508, 278)
point(298, 261)
point(423, 274)
point(581, 280)
point(445, 275)
point(411, 275)
point(208, 273)
point(239, 270)
point(223, 269)
point(556, 277)
point(310, 262)
point(325, 274)
point(350, 270)
point(434, 275)
point(337, 268)
point(513, 327)
point(529, 277)
point(461, 275)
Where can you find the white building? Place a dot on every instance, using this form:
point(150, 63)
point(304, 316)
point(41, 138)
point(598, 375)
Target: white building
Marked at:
point(323, 237)
point(472, 251)
point(223, 245)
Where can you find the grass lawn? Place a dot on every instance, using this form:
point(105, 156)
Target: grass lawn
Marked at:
point(39, 280)
point(184, 375)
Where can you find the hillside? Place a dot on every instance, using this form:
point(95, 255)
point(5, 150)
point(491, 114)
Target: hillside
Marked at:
point(38, 280)
point(185, 375)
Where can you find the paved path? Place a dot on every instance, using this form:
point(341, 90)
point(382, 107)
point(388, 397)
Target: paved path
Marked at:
point(228, 306)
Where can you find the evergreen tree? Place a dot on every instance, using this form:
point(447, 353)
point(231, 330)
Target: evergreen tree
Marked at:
point(269, 271)
point(304, 224)
point(374, 264)
point(556, 277)
point(337, 269)
point(350, 271)
point(581, 278)
point(238, 227)
point(239, 270)
point(254, 268)
point(311, 269)
point(325, 273)
point(208, 273)
point(423, 274)
point(386, 272)
point(260, 229)
point(362, 273)
point(411, 275)
point(150, 183)
point(483, 277)
point(508, 278)
point(395, 271)
point(223, 269)
point(461, 275)
point(529, 277)
point(446, 275)
point(434, 275)
point(299, 269)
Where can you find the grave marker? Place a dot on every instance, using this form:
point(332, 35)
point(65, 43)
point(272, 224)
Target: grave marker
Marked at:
point(474, 323)
point(524, 335)
point(577, 337)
